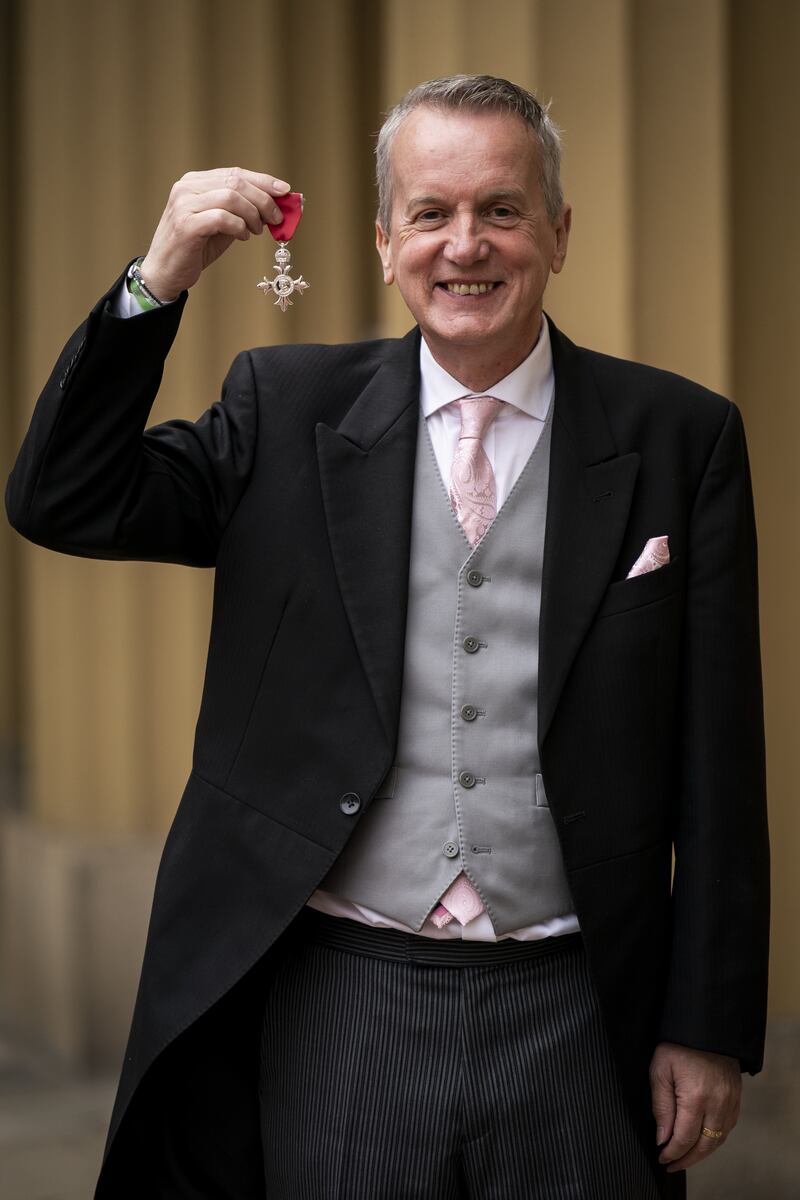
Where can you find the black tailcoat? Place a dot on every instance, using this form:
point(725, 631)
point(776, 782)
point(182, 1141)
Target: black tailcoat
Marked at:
point(297, 488)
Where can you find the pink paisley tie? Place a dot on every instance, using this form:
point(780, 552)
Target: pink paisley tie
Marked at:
point(473, 495)
point(473, 491)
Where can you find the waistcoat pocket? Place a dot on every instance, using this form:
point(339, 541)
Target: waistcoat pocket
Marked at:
point(388, 785)
point(541, 795)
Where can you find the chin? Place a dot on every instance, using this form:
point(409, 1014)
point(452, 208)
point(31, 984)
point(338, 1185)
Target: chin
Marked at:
point(468, 332)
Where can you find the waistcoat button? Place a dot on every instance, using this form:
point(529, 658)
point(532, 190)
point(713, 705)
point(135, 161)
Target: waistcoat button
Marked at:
point(466, 779)
point(450, 849)
point(469, 712)
point(474, 578)
point(470, 644)
point(350, 803)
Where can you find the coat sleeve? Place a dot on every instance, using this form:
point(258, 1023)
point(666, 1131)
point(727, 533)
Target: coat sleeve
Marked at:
point(716, 994)
point(91, 480)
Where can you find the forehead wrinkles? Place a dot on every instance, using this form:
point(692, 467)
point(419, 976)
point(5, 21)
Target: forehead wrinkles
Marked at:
point(442, 167)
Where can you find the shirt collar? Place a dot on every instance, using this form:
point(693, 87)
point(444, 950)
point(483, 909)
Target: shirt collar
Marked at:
point(528, 387)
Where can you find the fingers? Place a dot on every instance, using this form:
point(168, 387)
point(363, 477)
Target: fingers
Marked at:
point(706, 1091)
point(237, 182)
point(685, 1134)
point(231, 175)
point(719, 1117)
point(205, 212)
point(663, 1097)
point(214, 221)
point(234, 202)
point(704, 1144)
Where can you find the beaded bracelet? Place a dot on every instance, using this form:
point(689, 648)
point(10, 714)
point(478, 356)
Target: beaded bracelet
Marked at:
point(138, 288)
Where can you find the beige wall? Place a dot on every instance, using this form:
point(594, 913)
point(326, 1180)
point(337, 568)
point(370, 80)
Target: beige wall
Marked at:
point(684, 254)
point(10, 732)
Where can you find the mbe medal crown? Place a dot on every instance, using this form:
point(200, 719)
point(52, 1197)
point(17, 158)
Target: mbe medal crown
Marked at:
point(283, 285)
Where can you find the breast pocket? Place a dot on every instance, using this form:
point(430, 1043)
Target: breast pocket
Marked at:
point(649, 588)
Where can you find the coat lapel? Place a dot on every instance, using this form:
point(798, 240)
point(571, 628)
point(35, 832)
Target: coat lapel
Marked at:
point(589, 498)
point(367, 473)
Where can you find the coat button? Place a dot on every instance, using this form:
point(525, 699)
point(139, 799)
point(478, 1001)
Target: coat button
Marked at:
point(450, 849)
point(470, 644)
point(350, 803)
point(466, 779)
point(474, 578)
point(469, 712)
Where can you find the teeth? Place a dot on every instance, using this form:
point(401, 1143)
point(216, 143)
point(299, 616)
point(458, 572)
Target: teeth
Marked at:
point(469, 289)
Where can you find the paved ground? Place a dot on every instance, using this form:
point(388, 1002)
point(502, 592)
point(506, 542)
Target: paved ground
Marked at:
point(52, 1131)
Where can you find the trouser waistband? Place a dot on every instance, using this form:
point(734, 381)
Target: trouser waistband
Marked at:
point(373, 942)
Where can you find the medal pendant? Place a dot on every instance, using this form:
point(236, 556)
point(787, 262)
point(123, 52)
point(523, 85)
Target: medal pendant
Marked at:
point(284, 286)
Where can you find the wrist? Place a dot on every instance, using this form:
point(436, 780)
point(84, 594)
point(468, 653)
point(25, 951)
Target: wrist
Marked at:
point(154, 288)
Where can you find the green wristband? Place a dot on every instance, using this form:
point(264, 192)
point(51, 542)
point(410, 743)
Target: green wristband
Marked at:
point(139, 289)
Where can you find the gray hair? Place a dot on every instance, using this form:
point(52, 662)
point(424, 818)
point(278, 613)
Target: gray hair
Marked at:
point(474, 93)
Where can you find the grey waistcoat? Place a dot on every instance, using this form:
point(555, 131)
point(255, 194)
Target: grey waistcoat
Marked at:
point(465, 791)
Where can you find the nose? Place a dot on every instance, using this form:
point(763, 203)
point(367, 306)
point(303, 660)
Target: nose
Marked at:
point(465, 243)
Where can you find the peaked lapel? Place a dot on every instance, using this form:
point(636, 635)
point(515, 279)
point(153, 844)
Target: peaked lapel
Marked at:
point(589, 498)
point(366, 470)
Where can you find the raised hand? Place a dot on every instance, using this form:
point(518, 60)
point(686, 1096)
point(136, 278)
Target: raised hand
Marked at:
point(205, 213)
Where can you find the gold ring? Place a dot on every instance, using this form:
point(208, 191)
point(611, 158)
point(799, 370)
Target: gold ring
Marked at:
point(714, 1134)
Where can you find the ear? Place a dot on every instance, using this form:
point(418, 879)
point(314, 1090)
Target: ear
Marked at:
point(384, 250)
point(561, 229)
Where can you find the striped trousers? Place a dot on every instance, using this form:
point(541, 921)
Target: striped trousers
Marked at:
point(396, 1067)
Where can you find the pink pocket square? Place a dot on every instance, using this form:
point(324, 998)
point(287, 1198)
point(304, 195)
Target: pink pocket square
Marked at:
point(654, 555)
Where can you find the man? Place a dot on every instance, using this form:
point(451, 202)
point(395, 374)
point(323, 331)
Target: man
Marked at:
point(484, 652)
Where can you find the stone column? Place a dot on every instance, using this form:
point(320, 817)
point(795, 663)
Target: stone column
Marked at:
point(585, 67)
point(765, 318)
point(681, 188)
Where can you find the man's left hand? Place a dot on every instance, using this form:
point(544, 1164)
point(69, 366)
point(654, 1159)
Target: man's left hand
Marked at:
point(692, 1090)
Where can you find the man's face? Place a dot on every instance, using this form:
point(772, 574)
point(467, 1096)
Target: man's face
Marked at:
point(468, 216)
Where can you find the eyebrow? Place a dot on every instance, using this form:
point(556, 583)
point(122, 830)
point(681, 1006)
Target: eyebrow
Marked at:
point(516, 194)
point(424, 201)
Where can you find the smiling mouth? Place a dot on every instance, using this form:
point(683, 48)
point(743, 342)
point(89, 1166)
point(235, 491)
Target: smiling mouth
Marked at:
point(468, 289)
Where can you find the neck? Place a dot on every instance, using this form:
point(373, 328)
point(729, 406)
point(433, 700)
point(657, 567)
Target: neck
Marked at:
point(472, 367)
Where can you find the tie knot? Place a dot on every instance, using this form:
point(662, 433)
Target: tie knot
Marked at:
point(477, 414)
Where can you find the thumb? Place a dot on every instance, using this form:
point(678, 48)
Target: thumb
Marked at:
point(663, 1098)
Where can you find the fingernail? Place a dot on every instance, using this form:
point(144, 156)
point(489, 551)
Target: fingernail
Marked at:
point(280, 185)
point(660, 1135)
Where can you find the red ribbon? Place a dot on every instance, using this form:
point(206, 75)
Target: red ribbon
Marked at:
point(291, 205)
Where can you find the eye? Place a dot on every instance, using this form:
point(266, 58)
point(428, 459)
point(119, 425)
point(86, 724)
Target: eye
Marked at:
point(501, 212)
point(429, 216)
